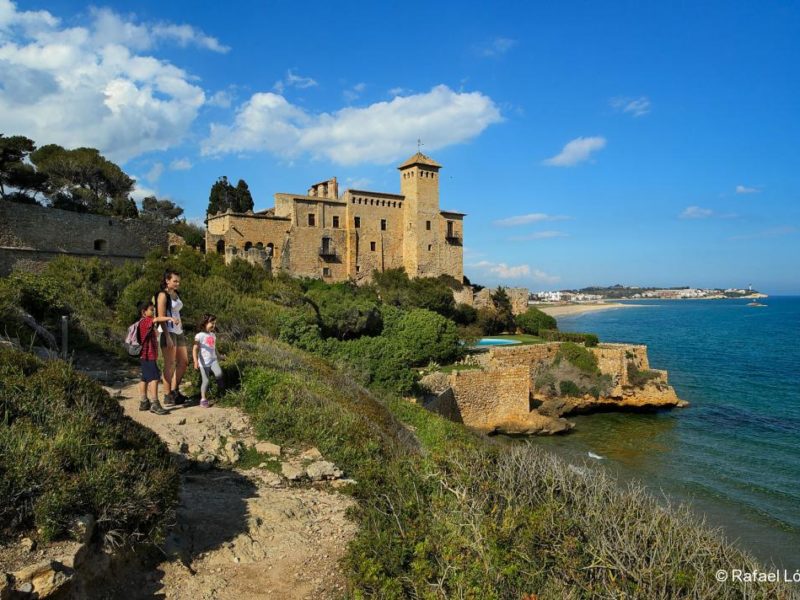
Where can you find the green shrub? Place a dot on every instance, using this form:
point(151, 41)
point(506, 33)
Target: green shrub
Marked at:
point(590, 340)
point(66, 450)
point(578, 356)
point(639, 378)
point(345, 311)
point(395, 288)
point(534, 320)
point(569, 388)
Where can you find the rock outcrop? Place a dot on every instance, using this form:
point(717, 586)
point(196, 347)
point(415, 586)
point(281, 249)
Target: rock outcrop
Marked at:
point(503, 397)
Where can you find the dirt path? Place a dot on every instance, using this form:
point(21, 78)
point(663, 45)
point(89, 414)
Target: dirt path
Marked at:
point(240, 534)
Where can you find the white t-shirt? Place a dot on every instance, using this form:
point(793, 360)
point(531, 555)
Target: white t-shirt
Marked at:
point(177, 305)
point(208, 347)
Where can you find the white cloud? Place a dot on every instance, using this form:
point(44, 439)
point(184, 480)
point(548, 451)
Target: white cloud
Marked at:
point(696, 212)
point(496, 47)
point(743, 189)
point(399, 91)
point(220, 99)
point(155, 172)
point(504, 271)
point(636, 106)
point(354, 92)
point(180, 164)
point(111, 28)
point(88, 86)
point(765, 234)
point(359, 183)
point(539, 235)
point(528, 219)
point(293, 80)
point(576, 151)
point(140, 191)
point(379, 133)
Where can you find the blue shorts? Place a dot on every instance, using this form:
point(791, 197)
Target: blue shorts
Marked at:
point(150, 371)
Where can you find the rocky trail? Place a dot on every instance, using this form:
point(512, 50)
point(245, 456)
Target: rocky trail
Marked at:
point(270, 531)
point(254, 520)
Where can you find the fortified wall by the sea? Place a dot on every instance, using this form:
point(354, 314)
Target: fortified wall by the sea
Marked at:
point(502, 395)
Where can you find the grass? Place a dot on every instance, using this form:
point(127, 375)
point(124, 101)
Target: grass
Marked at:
point(66, 450)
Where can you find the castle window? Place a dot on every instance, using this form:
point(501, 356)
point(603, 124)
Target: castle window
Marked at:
point(430, 247)
point(312, 220)
point(247, 246)
point(356, 222)
point(271, 249)
point(100, 245)
point(358, 268)
point(428, 225)
point(221, 247)
point(372, 246)
point(400, 205)
point(383, 224)
point(336, 221)
point(326, 271)
point(260, 245)
point(449, 229)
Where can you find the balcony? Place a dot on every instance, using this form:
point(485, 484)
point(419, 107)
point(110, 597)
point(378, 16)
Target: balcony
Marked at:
point(453, 237)
point(327, 252)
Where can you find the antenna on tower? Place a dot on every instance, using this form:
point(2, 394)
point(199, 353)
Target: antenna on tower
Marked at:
point(419, 145)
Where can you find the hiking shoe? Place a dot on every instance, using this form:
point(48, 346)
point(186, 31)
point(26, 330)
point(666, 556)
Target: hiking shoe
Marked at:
point(156, 408)
point(168, 401)
point(179, 398)
point(203, 403)
point(144, 404)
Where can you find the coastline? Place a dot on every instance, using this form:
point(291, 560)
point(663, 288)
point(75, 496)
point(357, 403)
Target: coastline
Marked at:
point(563, 310)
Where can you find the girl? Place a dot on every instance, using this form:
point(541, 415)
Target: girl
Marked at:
point(204, 353)
point(173, 341)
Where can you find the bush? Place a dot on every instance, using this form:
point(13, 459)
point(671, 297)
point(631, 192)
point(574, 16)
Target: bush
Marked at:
point(346, 312)
point(588, 339)
point(579, 357)
point(395, 288)
point(640, 378)
point(569, 388)
point(534, 320)
point(67, 450)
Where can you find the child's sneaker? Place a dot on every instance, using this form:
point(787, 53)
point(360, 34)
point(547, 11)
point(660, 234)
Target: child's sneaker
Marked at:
point(144, 404)
point(156, 408)
point(203, 403)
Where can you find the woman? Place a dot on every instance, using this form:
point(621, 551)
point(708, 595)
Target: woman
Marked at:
point(173, 343)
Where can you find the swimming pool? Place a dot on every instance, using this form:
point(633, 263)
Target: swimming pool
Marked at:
point(496, 342)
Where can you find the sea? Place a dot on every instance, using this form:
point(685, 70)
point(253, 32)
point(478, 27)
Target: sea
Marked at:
point(734, 453)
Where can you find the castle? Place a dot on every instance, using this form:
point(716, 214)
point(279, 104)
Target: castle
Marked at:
point(338, 238)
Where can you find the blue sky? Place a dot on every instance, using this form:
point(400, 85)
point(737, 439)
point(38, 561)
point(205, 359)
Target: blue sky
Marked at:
point(590, 143)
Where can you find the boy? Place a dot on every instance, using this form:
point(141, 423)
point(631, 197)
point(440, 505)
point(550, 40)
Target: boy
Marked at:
point(148, 388)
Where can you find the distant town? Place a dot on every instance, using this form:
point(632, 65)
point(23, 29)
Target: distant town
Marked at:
point(621, 292)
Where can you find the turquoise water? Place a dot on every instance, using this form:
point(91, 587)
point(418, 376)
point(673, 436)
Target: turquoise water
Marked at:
point(735, 452)
point(495, 342)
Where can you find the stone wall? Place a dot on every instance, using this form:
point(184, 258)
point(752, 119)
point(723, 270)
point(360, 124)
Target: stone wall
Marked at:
point(486, 398)
point(519, 299)
point(31, 235)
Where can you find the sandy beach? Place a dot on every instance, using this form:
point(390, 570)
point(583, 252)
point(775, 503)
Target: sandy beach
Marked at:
point(561, 310)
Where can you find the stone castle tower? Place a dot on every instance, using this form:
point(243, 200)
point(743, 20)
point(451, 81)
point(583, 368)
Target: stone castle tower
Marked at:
point(419, 184)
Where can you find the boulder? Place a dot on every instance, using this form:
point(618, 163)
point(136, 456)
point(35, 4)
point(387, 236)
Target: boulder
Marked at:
point(43, 579)
point(322, 469)
point(311, 454)
point(292, 472)
point(268, 448)
point(233, 450)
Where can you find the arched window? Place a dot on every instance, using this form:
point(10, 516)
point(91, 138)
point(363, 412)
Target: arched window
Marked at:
point(100, 245)
point(271, 249)
point(247, 246)
point(260, 245)
point(221, 247)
